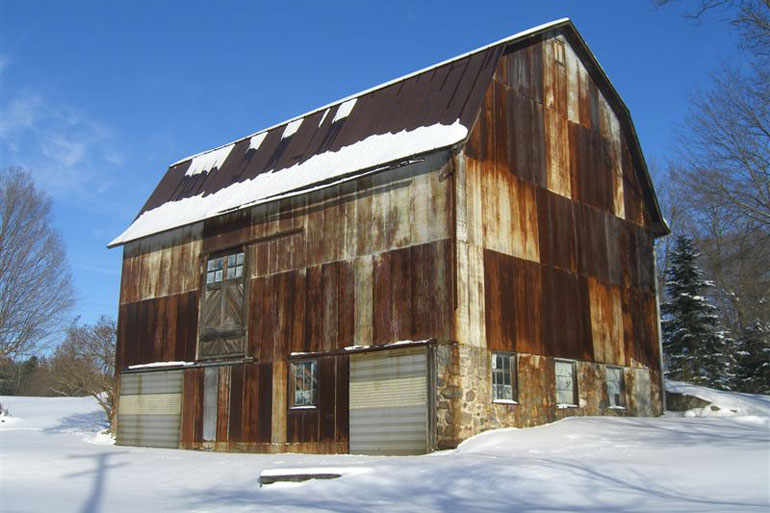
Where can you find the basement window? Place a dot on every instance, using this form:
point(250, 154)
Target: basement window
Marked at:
point(504, 378)
point(616, 387)
point(566, 384)
point(304, 376)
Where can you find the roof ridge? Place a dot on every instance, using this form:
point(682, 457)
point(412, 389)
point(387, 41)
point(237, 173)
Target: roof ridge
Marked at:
point(504, 40)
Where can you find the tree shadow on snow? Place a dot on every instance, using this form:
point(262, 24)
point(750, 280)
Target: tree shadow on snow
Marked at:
point(93, 503)
point(642, 488)
point(88, 422)
point(727, 432)
point(471, 484)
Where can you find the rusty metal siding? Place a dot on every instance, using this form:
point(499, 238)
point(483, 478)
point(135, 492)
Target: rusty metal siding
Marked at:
point(257, 403)
point(161, 265)
point(591, 242)
point(314, 309)
point(327, 423)
point(237, 391)
point(162, 329)
point(412, 293)
point(582, 294)
point(557, 231)
point(566, 315)
point(192, 407)
point(226, 231)
point(513, 299)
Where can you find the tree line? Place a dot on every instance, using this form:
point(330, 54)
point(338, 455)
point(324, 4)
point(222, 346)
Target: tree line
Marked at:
point(83, 364)
point(715, 193)
point(36, 298)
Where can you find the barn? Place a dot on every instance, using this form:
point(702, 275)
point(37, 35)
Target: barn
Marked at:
point(464, 248)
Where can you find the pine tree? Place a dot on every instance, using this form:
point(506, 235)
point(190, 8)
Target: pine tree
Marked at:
point(694, 345)
point(752, 371)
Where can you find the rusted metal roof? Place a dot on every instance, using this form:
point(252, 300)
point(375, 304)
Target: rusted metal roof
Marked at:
point(426, 110)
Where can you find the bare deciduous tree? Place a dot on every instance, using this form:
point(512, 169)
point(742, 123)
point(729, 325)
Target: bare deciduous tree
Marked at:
point(35, 284)
point(726, 146)
point(720, 182)
point(84, 364)
point(750, 17)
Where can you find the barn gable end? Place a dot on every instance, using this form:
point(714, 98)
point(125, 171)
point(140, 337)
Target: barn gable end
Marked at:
point(489, 216)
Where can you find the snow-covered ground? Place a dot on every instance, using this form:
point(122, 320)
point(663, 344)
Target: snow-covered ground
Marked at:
point(51, 460)
point(725, 404)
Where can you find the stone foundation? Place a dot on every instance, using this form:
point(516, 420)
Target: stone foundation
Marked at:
point(464, 395)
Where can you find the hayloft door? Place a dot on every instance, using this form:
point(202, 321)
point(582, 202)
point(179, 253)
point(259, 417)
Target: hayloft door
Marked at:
point(222, 331)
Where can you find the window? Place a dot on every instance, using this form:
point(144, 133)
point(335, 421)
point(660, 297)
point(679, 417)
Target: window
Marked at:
point(225, 267)
point(504, 374)
point(222, 309)
point(616, 388)
point(305, 384)
point(566, 384)
point(558, 51)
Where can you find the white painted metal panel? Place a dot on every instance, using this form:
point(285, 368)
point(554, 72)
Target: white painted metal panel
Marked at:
point(389, 402)
point(149, 409)
point(210, 391)
point(643, 392)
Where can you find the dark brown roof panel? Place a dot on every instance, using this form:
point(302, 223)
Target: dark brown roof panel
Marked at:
point(427, 110)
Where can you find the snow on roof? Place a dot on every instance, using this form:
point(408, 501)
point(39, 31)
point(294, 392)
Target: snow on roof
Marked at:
point(375, 127)
point(160, 364)
point(291, 128)
point(256, 141)
point(323, 118)
point(267, 186)
point(344, 110)
point(209, 161)
point(514, 37)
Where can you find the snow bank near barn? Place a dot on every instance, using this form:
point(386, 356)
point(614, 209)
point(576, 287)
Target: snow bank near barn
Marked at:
point(50, 462)
point(723, 404)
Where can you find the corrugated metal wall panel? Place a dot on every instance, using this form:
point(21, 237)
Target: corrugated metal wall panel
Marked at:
point(150, 408)
point(389, 402)
point(166, 382)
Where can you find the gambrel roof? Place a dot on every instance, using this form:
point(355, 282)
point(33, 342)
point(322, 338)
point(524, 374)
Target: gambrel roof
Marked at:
point(386, 125)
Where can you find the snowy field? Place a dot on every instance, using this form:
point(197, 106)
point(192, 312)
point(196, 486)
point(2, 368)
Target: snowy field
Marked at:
point(52, 460)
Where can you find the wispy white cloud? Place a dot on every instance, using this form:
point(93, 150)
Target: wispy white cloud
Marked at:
point(69, 152)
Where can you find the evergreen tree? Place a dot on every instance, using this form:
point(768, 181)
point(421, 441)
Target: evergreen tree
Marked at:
point(752, 372)
point(694, 346)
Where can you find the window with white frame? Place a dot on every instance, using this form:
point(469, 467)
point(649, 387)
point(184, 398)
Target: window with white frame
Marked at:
point(504, 378)
point(616, 389)
point(305, 383)
point(566, 383)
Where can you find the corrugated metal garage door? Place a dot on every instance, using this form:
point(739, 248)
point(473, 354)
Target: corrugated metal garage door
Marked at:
point(389, 402)
point(150, 408)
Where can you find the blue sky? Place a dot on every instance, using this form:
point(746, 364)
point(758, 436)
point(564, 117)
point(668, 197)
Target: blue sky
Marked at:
point(98, 98)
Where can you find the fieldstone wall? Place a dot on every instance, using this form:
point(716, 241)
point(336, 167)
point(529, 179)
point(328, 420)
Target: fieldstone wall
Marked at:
point(448, 395)
point(464, 396)
point(684, 402)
